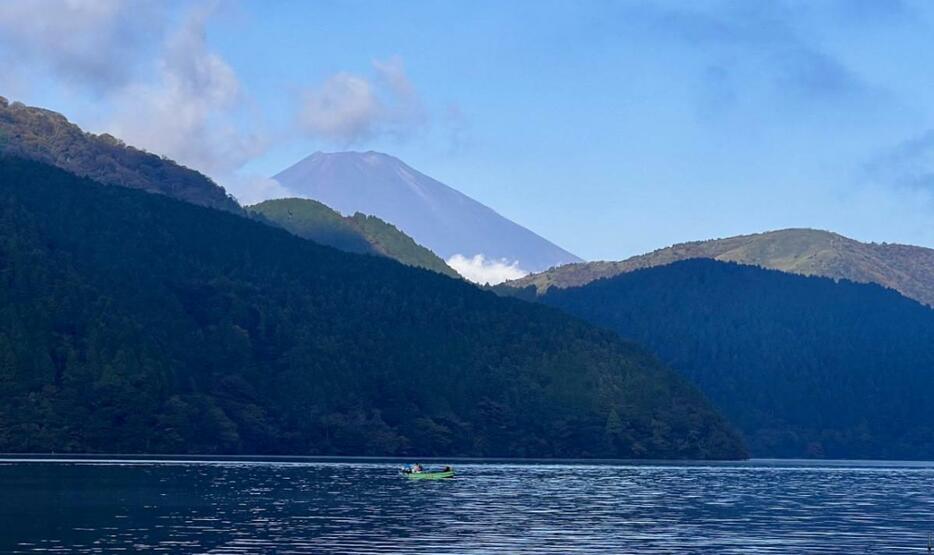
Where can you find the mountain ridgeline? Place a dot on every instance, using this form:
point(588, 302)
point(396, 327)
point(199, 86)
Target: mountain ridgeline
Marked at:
point(46, 136)
point(359, 233)
point(905, 268)
point(132, 322)
point(437, 216)
point(804, 366)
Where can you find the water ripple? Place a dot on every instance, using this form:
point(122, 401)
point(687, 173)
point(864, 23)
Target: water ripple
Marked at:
point(81, 507)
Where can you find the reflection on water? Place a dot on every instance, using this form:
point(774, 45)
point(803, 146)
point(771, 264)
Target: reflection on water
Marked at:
point(368, 508)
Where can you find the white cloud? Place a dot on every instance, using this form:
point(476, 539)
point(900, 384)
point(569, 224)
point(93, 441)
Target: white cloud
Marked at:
point(157, 84)
point(343, 108)
point(189, 112)
point(91, 42)
point(253, 189)
point(160, 87)
point(480, 270)
point(347, 108)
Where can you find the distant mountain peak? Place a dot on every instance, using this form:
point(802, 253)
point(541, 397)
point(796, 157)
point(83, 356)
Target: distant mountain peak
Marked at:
point(457, 227)
point(369, 158)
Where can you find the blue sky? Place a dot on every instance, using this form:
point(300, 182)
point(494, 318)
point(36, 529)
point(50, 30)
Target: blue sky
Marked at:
point(611, 128)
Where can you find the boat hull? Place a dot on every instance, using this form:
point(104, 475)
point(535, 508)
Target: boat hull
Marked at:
point(429, 475)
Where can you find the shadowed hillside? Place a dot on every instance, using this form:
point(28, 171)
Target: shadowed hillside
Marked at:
point(804, 366)
point(132, 322)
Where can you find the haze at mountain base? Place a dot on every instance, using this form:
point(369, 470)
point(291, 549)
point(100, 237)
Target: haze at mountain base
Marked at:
point(489, 272)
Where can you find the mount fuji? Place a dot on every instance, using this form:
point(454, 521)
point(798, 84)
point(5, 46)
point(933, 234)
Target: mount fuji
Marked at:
point(481, 244)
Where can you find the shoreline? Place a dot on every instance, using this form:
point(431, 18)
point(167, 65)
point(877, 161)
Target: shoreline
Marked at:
point(155, 458)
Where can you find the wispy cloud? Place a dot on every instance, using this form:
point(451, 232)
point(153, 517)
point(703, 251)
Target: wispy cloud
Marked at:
point(909, 164)
point(160, 85)
point(189, 112)
point(348, 108)
point(457, 128)
point(250, 189)
point(755, 53)
point(479, 269)
point(157, 83)
point(88, 42)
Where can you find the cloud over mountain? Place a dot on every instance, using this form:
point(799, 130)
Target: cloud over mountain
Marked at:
point(348, 108)
point(189, 112)
point(159, 84)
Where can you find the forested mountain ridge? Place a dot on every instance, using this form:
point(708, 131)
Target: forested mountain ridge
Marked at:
point(132, 322)
point(359, 233)
point(48, 137)
point(804, 366)
point(905, 268)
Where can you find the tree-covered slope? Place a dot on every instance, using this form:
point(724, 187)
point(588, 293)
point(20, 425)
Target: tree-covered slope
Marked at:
point(804, 366)
point(905, 268)
point(132, 322)
point(46, 136)
point(358, 233)
point(312, 220)
point(389, 241)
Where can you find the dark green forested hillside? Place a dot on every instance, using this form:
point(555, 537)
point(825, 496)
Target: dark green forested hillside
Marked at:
point(133, 322)
point(389, 241)
point(312, 220)
point(804, 366)
point(358, 233)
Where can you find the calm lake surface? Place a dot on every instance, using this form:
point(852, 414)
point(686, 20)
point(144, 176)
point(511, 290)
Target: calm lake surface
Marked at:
point(315, 507)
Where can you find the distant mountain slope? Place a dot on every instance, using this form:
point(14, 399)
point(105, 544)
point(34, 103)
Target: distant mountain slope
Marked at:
point(46, 136)
point(907, 269)
point(132, 322)
point(804, 366)
point(358, 233)
point(437, 216)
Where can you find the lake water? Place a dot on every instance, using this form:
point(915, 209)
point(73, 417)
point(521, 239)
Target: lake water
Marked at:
point(314, 507)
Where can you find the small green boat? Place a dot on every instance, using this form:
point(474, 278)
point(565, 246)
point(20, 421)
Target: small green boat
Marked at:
point(448, 472)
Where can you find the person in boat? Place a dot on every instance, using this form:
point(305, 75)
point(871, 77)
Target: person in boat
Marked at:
point(417, 468)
